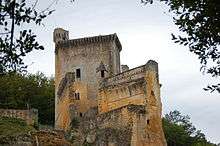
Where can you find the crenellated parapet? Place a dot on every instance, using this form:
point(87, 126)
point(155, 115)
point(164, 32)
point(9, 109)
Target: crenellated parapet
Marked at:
point(89, 40)
point(124, 77)
point(130, 75)
point(134, 86)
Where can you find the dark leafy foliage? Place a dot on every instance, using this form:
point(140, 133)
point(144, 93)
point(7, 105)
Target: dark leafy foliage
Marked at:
point(179, 131)
point(213, 88)
point(29, 91)
point(14, 46)
point(199, 22)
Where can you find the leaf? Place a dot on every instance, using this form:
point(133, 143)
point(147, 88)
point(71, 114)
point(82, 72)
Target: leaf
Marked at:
point(35, 13)
point(173, 36)
point(50, 12)
point(24, 33)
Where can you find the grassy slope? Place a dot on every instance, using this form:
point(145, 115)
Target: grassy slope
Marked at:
point(12, 127)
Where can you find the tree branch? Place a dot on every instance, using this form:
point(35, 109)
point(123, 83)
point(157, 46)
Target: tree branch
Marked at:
point(12, 25)
point(4, 33)
point(50, 5)
point(35, 4)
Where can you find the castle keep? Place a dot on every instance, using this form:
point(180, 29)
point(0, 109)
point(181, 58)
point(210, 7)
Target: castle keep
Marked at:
point(114, 105)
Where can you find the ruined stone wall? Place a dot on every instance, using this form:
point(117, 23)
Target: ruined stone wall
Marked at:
point(122, 108)
point(122, 89)
point(125, 126)
point(154, 105)
point(139, 86)
point(68, 105)
point(130, 100)
point(30, 116)
point(113, 128)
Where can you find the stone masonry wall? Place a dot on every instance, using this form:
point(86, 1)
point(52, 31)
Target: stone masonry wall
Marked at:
point(139, 87)
point(121, 108)
point(122, 89)
point(30, 116)
point(87, 58)
point(125, 126)
point(85, 54)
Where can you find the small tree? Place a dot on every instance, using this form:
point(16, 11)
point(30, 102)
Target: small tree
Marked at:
point(179, 131)
point(14, 46)
point(36, 90)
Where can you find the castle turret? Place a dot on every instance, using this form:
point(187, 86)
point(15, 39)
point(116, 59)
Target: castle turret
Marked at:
point(60, 34)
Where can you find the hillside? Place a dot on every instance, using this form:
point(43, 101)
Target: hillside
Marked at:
point(12, 129)
point(16, 132)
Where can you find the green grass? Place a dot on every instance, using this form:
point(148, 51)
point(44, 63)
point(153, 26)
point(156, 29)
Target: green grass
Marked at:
point(12, 127)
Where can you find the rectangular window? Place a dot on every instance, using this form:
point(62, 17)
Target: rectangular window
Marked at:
point(77, 96)
point(78, 73)
point(102, 73)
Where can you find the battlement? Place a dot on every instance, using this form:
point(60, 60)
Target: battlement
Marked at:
point(60, 35)
point(130, 75)
point(124, 77)
point(122, 89)
point(128, 87)
point(89, 40)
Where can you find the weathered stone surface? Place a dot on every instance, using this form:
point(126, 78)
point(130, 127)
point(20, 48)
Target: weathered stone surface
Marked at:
point(121, 108)
point(29, 116)
point(65, 82)
point(91, 137)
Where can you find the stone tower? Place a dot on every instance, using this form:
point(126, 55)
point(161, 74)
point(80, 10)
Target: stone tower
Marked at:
point(115, 105)
point(90, 60)
point(60, 35)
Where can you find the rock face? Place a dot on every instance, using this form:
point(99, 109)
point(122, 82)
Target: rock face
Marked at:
point(112, 107)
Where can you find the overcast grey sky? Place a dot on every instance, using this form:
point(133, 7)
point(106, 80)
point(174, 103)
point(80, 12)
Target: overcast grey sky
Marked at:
point(145, 33)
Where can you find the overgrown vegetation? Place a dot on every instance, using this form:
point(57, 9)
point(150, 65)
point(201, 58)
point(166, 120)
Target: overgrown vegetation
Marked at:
point(11, 128)
point(179, 131)
point(19, 91)
point(74, 126)
point(14, 14)
point(199, 24)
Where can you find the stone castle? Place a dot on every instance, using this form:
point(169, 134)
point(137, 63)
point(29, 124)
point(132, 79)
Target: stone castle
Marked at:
point(114, 105)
